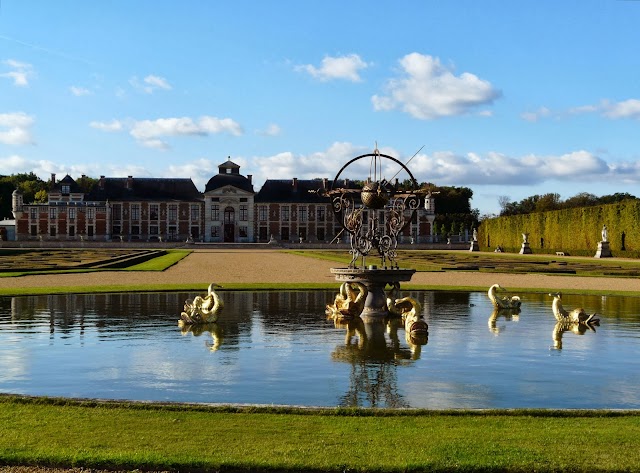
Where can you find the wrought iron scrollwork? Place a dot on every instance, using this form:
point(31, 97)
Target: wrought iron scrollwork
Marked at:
point(375, 215)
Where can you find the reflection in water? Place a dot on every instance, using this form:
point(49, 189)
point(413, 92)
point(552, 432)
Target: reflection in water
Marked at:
point(562, 327)
point(510, 315)
point(277, 347)
point(198, 329)
point(374, 360)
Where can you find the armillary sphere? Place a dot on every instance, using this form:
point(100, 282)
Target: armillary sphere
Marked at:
point(377, 212)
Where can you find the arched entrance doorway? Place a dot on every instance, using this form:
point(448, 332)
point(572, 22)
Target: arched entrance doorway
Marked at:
point(229, 224)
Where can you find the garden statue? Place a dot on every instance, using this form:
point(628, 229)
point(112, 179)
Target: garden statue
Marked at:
point(605, 235)
point(475, 235)
point(505, 302)
point(202, 310)
point(576, 316)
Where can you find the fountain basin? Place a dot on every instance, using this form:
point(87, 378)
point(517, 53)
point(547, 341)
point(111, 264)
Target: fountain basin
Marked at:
point(375, 280)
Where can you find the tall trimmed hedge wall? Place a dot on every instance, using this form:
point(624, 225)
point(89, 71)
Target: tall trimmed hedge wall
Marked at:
point(566, 230)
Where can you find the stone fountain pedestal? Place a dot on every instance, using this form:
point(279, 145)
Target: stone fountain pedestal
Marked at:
point(375, 280)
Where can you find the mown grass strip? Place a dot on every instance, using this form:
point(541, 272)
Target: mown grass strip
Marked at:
point(99, 435)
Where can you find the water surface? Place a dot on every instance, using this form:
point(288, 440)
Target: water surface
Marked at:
point(279, 348)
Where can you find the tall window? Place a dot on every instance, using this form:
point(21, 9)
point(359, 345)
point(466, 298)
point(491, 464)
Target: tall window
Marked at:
point(284, 213)
point(91, 213)
point(53, 213)
point(33, 213)
point(229, 215)
point(215, 212)
point(116, 211)
point(244, 213)
point(321, 215)
point(135, 211)
point(195, 212)
point(173, 212)
point(302, 213)
point(215, 232)
point(154, 211)
point(262, 213)
point(72, 213)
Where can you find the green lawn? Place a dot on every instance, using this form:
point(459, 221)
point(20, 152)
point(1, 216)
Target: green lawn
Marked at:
point(143, 436)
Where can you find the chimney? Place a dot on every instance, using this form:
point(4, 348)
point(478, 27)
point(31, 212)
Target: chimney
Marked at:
point(249, 177)
point(295, 184)
point(325, 182)
point(53, 178)
point(101, 182)
point(129, 182)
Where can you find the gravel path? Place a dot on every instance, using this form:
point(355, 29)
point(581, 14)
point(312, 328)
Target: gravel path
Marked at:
point(277, 266)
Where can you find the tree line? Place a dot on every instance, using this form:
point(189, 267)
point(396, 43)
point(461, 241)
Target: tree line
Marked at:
point(552, 201)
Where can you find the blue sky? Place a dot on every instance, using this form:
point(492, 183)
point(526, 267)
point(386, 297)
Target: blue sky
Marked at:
point(507, 98)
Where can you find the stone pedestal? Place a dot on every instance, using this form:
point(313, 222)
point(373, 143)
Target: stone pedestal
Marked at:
point(603, 250)
point(525, 249)
point(375, 305)
point(474, 246)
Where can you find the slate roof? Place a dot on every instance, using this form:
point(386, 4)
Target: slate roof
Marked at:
point(283, 190)
point(65, 181)
point(235, 180)
point(145, 189)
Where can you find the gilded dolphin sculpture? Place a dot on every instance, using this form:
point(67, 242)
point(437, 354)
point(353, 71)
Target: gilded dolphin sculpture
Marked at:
point(504, 302)
point(202, 310)
point(577, 315)
point(349, 302)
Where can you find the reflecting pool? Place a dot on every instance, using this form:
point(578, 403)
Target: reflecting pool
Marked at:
point(279, 348)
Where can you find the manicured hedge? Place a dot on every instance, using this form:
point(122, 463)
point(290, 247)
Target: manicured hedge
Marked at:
point(570, 230)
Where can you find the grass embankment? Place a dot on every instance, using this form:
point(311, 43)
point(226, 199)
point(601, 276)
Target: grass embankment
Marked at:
point(142, 436)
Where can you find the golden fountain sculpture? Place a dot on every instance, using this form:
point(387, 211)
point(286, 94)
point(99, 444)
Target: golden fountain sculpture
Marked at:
point(503, 302)
point(349, 302)
point(576, 316)
point(576, 321)
point(202, 310)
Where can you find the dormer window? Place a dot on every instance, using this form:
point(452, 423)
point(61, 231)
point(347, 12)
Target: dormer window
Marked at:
point(66, 189)
point(228, 170)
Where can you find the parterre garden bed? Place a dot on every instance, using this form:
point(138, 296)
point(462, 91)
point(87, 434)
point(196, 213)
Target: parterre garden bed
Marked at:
point(69, 259)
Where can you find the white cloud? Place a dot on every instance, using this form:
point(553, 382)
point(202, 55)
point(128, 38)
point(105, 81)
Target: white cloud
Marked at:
point(200, 171)
point(20, 72)
point(79, 91)
point(542, 112)
point(271, 130)
point(150, 84)
point(429, 90)
point(340, 67)
point(629, 108)
point(447, 168)
point(15, 128)
point(626, 109)
point(113, 125)
point(149, 133)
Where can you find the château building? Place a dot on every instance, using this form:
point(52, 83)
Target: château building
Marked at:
point(172, 209)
